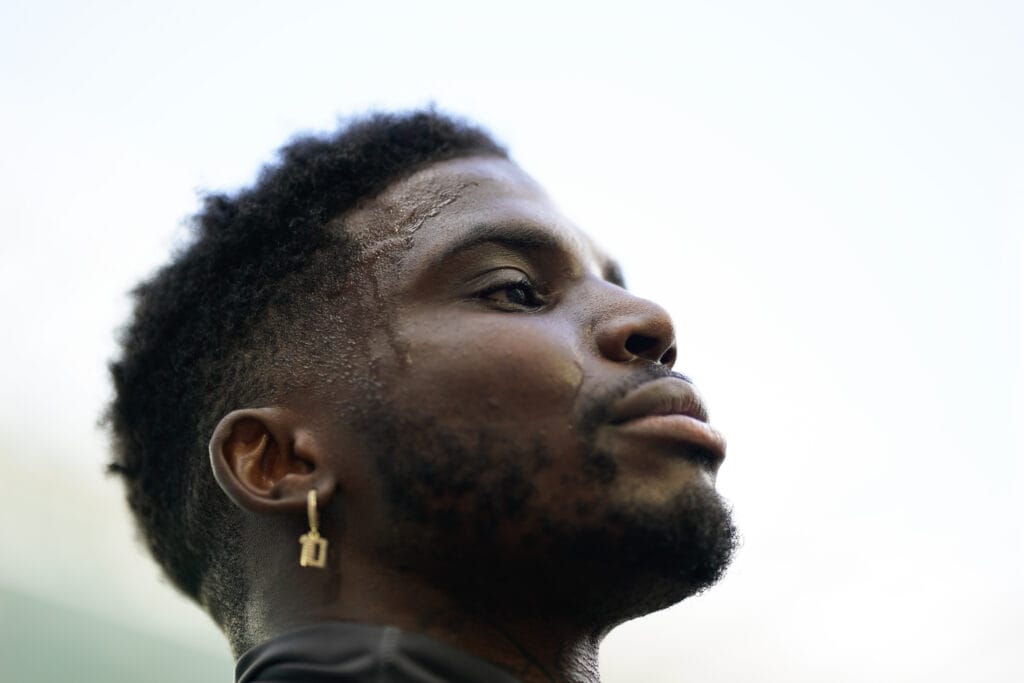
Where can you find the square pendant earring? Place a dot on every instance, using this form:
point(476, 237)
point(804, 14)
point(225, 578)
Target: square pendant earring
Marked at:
point(314, 547)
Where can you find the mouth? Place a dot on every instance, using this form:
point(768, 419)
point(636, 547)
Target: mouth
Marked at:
point(670, 409)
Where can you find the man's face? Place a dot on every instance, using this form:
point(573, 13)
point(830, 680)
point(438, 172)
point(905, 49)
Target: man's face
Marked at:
point(518, 404)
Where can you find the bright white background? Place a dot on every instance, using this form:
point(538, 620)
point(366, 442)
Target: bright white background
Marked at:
point(828, 196)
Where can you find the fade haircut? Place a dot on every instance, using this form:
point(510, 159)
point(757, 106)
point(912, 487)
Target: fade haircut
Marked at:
point(209, 330)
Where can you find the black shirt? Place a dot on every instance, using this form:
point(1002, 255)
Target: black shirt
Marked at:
point(346, 652)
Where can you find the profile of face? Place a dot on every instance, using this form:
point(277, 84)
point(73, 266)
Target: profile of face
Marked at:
point(522, 427)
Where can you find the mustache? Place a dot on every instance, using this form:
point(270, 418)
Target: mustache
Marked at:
point(597, 409)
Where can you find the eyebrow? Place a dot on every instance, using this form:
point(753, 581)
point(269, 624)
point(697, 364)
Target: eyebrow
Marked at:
point(520, 238)
point(517, 237)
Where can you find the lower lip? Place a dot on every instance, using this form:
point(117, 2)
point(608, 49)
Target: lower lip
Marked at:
point(678, 428)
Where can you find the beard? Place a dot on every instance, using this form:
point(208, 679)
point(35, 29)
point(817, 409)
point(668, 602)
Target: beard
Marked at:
point(470, 512)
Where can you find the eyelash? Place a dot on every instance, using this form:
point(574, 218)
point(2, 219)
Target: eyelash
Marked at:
point(533, 298)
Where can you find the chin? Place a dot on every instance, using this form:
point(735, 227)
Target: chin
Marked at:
point(615, 563)
point(645, 557)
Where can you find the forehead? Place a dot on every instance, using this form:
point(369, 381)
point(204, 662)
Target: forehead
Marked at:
point(424, 214)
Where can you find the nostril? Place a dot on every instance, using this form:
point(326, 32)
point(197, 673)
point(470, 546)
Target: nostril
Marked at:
point(640, 345)
point(650, 348)
point(636, 329)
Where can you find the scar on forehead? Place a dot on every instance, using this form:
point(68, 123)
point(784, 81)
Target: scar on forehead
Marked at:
point(428, 202)
point(399, 220)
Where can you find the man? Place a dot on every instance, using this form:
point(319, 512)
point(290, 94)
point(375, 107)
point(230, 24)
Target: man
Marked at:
point(393, 417)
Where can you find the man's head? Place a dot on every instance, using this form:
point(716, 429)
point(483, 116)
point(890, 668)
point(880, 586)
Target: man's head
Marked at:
point(401, 320)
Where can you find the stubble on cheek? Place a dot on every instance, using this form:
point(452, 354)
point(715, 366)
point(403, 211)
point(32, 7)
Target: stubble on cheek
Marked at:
point(464, 445)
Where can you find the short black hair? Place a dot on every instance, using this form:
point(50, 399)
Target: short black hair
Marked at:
point(201, 329)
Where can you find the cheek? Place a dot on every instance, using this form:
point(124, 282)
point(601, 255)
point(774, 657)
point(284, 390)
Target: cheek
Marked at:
point(502, 368)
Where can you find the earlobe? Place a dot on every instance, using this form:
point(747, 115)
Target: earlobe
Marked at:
point(265, 460)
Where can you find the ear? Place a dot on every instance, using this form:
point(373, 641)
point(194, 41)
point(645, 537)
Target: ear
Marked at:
point(267, 461)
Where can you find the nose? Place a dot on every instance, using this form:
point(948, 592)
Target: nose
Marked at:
point(637, 329)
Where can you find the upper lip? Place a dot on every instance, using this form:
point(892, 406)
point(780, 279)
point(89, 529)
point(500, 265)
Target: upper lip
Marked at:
point(665, 396)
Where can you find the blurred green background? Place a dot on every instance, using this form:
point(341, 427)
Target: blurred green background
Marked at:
point(79, 598)
point(47, 641)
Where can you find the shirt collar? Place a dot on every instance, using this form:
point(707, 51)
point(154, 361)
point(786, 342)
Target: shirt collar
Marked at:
point(347, 652)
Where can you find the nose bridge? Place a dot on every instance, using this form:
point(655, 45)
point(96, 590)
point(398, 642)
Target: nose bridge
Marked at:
point(630, 328)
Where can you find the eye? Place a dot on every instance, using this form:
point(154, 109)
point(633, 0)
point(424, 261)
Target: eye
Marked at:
point(516, 294)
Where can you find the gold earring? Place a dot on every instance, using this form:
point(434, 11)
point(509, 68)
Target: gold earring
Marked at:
point(314, 548)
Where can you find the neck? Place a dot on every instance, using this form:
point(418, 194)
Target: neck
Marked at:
point(534, 646)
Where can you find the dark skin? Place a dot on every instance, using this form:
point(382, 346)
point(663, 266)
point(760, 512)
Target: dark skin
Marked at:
point(487, 313)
